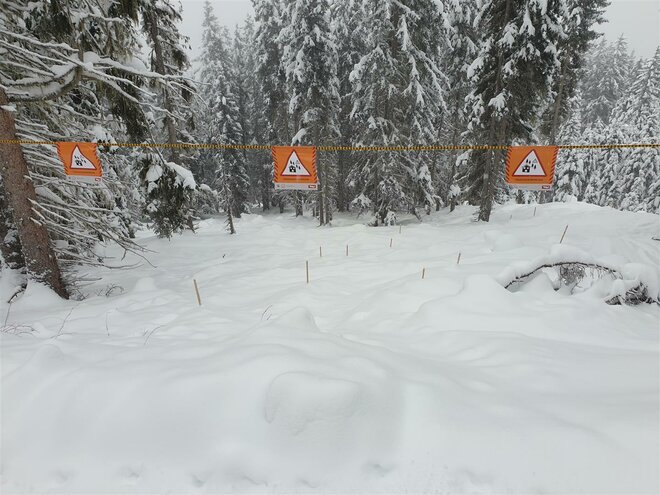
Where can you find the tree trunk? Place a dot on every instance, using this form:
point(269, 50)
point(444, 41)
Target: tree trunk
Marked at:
point(40, 259)
point(548, 196)
point(159, 62)
point(265, 187)
point(228, 202)
point(10, 246)
point(495, 138)
point(342, 201)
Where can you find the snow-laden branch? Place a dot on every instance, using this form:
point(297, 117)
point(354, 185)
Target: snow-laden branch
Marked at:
point(634, 283)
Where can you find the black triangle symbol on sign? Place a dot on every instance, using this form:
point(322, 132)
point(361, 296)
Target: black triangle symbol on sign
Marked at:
point(80, 161)
point(294, 166)
point(530, 167)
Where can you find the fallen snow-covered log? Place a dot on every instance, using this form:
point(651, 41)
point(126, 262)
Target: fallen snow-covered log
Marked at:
point(632, 283)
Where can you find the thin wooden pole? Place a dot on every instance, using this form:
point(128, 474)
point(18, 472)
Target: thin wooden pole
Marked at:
point(458, 261)
point(346, 249)
point(535, 211)
point(423, 273)
point(563, 235)
point(199, 299)
point(320, 251)
point(307, 270)
point(391, 242)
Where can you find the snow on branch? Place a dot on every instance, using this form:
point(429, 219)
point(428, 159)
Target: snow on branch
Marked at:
point(633, 283)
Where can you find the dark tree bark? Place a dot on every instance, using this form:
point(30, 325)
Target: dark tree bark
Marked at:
point(10, 245)
point(40, 259)
point(159, 65)
point(496, 134)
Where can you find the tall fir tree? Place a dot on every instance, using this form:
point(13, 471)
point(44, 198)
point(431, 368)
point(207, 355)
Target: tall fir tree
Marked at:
point(73, 73)
point(571, 179)
point(607, 76)
point(639, 115)
point(169, 187)
point(272, 83)
point(398, 90)
point(222, 116)
point(310, 62)
point(512, 74)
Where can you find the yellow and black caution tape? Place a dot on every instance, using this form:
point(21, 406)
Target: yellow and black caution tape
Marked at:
point(221, 146)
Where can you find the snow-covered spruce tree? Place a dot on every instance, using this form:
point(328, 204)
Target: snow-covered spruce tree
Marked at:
point(250, 106)
point(11, 252)
point(349, 28)
point(637, 185)
point(578, 20)
point(571, 180)
point(310, 62)
point(221, 122)
point(512, 76)
point(605, 164)
point(458, 50)
point(272, 80)
point(169, 186)
point(68, 72)
point(398, 92)
point(606, 77)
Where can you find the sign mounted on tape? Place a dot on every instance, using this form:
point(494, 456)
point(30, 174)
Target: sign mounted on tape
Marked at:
point(81, 163)
point(531, 167)
point(295, 168)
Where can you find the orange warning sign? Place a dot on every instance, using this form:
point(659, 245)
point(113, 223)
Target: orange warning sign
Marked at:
point(80, 161)
point(295, 168)
point(531, 167)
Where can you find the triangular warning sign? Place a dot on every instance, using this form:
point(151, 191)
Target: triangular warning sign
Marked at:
point(295, 167)
point(530, 166)
point(80, 161)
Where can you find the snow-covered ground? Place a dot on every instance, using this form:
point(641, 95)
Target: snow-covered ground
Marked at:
point(370, 379)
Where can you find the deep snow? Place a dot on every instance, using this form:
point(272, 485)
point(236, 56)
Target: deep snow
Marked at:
point(367, 380)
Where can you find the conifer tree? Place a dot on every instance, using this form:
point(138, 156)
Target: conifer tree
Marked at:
point(349, 28)
point(398, 91)
point(639, 115)
point(579, 19)
point(570, 182)
point(607, 75)
point(272, 80)
point(310, 62)
point(459, 49)
point(221, 121)
point(169, 186)
point(511, 76)
point(69, 72)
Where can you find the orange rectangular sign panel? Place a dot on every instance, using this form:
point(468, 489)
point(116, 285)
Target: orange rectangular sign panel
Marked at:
point(295, 168)
point(531, 167)
point(80, 161)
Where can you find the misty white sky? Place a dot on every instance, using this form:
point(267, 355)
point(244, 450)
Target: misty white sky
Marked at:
point(637, 20)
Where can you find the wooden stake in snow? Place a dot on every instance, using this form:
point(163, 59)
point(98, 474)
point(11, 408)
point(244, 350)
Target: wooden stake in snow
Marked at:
point(307, 270)
point(391, 242)
point(199, 299)
point(320, 251)
point(535, 211)
point(563, 235)
point(423, 273)
point(458, 261)
point(346, 249)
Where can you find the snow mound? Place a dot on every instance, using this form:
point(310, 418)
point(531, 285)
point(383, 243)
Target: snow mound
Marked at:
point(300, 402)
